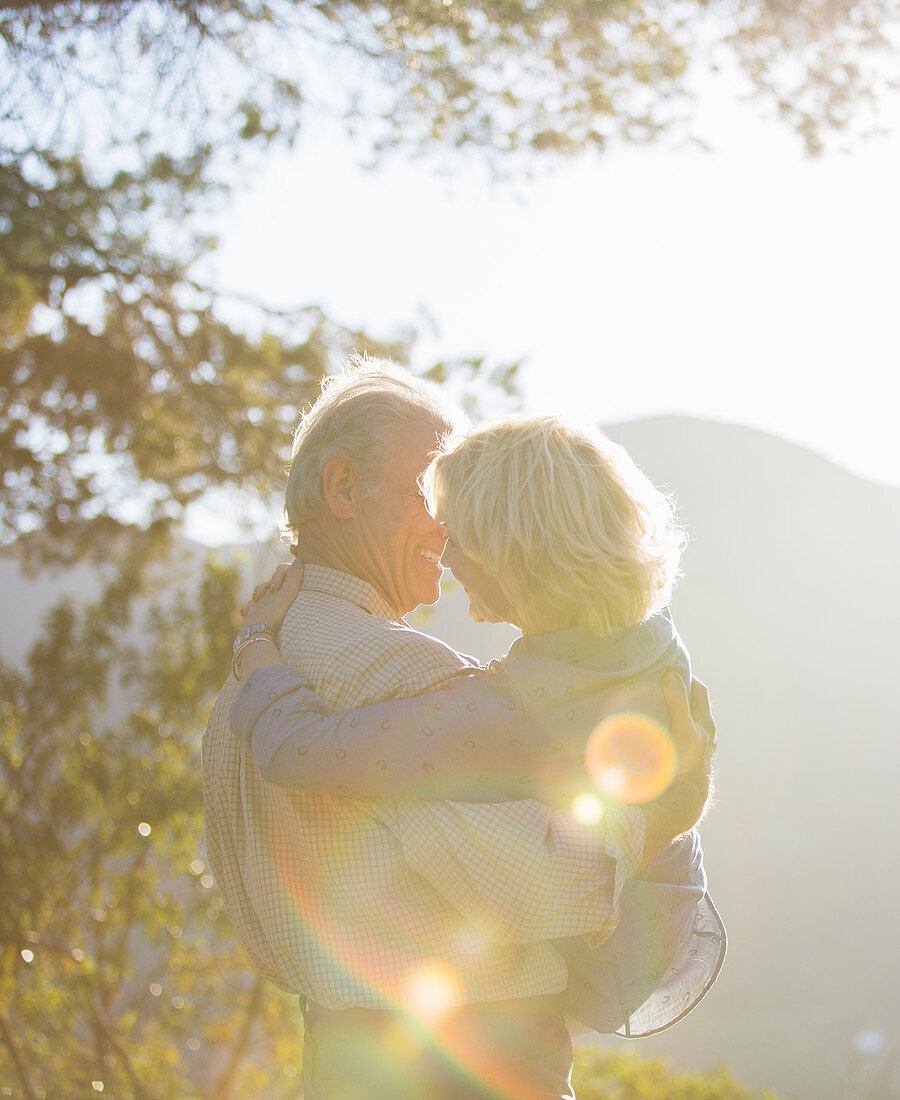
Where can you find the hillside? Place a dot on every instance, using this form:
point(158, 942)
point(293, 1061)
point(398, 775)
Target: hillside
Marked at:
point(789, 606)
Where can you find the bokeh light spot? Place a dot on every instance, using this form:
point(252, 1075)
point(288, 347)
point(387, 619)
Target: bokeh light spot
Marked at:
point(144, 829)
point(630, 757)
point(27, 955)
point(432, 990)
point(588, 809)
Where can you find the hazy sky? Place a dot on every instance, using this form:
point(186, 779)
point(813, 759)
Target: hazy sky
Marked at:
point(748, 284)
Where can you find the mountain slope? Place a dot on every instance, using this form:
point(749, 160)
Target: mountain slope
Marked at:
point(789, 606)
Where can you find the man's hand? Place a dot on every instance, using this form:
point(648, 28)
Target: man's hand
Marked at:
point(694, 733)
point(692, 728)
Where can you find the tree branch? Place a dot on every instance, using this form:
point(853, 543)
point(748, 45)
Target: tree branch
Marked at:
point(27, 1087)
point(102, 1021)
point(239, 1048)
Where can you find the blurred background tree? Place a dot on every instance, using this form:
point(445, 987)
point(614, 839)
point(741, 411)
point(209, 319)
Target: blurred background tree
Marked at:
point(118, 969)
point(605, 1076)
point(131, 386)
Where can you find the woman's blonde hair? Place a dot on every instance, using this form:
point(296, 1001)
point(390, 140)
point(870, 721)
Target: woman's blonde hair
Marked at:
point(562, 518)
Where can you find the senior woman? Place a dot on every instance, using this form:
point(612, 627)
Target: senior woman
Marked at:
point(556, 531)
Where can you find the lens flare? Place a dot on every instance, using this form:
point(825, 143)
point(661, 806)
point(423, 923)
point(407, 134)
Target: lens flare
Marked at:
point(403, 1042)
point(631, 758)
point(432, 990)
point(587, 808)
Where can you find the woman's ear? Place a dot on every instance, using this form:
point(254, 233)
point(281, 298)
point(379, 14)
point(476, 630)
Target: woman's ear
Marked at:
point(339, 488)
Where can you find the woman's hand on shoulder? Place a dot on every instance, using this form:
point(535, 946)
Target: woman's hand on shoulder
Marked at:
point(271, 600)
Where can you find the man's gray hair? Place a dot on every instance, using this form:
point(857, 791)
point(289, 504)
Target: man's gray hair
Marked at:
point(359, 416)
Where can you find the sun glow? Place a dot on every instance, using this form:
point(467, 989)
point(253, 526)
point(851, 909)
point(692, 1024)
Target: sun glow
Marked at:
point(588, 809)
point(631, 758)
point(432, 990)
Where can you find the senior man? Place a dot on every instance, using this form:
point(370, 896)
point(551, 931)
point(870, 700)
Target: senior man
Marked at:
point(318, 887)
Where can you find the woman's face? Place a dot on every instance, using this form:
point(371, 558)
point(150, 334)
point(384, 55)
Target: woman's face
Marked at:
point(487, 601)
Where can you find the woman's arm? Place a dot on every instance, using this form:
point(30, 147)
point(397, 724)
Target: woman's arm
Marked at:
point(449, 743)
point(468, 740)
point(473, 740)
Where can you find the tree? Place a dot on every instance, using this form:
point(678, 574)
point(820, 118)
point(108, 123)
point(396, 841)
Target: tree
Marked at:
point(604, 1075)
point(128, 385)
point(120, 382)
point(564, 75)
point(117, 965)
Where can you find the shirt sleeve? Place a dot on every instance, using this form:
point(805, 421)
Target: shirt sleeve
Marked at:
point(521, 872)
point(455, 741)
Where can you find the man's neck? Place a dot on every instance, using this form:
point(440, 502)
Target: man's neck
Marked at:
point(323, 544)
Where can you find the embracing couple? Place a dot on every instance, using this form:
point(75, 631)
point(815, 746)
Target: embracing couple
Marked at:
point(458, 866)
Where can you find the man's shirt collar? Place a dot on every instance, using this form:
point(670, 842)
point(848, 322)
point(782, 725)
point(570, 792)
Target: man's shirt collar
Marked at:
point(344, 586)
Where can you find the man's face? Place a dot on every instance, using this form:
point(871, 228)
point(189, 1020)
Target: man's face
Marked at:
point(402, 542)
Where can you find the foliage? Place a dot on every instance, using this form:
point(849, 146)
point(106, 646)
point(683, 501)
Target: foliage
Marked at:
point(604, 1075)
point(559, 76)
point(119, 380)
point(129, 386)
point(124, 395)
point(117, 964)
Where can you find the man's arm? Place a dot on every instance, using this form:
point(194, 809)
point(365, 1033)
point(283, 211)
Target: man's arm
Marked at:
point(530, 873)
point(517, 869)
point(520, 871)
point(693, 731)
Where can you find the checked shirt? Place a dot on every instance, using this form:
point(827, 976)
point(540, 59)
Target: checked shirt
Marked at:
point(321, 888)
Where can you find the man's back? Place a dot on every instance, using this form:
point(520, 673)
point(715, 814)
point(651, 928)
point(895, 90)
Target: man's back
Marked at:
point(317, 886)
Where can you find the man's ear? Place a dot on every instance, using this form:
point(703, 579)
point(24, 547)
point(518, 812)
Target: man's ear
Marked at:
point(339, 488)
